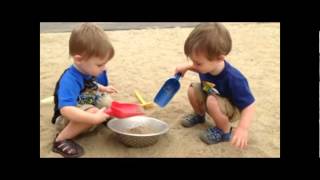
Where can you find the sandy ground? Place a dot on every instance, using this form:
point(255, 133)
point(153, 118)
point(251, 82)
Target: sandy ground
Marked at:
point(144, 59)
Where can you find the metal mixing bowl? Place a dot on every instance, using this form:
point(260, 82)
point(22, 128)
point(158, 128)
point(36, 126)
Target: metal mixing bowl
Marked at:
point(121, 127)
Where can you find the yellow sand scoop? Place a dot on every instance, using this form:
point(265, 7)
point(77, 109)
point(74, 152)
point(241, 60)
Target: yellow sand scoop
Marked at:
point(144, 104)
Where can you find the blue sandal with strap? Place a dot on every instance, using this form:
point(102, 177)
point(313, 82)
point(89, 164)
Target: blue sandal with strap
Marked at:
point(192, 119)
point(215, 135)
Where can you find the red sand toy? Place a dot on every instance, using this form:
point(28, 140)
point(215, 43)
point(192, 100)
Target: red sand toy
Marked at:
point(124, 110)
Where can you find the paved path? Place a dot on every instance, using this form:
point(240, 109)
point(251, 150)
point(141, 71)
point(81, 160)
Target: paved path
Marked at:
point(68, 26)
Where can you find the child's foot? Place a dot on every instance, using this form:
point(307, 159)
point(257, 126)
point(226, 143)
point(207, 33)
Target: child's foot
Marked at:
point(68, 148)
point(192, 119)
point(215, 135)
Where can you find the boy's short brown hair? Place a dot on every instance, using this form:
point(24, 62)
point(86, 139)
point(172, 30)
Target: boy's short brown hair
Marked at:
point(90, 40)
point(212, 39)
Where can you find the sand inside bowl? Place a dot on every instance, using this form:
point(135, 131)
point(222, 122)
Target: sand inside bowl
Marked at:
point(142, 129)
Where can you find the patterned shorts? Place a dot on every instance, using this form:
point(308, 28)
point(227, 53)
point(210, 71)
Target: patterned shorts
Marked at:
point(103, 100)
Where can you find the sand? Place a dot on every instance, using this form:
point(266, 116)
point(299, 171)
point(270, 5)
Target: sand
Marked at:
point(141, 130)
point(143, 60)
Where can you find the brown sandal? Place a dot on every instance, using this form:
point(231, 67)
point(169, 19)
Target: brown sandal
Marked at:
point(68, 148)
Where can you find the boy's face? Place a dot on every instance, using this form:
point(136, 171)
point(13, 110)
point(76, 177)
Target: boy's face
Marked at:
point(203, 65)
point(91, 66)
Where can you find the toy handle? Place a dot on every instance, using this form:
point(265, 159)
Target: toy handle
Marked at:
point(139, 97)
point(177, 76)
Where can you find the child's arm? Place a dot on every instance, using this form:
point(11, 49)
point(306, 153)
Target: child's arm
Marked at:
point(77, 115)
point(240, 136)
point(184, 68)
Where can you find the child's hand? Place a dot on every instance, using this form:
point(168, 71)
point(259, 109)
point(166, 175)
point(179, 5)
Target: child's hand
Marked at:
point(101, 116)
point(182, 69)
point(108, 89)
point(240, 138)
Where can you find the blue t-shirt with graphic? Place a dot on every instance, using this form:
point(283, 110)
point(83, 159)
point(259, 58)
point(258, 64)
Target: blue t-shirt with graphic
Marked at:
point(73, 82)
point(230, 83)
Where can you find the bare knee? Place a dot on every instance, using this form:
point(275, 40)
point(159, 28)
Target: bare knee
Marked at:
point(92, 110)
point(212, 102)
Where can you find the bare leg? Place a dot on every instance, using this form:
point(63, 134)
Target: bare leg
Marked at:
point(197, 105)
point(220, 119)
point(73, 129)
